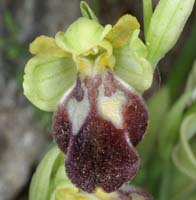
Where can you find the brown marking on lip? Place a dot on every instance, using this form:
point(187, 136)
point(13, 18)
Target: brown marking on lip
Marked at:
point(135, 118)
point(62, 128)
point(78, 91)
point(109, 86)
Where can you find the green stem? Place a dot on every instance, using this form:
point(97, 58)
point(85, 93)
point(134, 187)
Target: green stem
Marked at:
point(95, 4)
point(183, 65)
point(147, 13)
point(165, 188)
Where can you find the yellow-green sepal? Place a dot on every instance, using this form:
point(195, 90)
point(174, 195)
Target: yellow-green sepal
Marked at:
point(46, 79)
point(81, 36)
point(122, 30)
point(44, 45)
point(40, 184)
point(131, 64)
point(87, 11)
point(183, 155)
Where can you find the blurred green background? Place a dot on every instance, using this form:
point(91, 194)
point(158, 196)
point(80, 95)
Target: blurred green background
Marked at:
point(25, 131)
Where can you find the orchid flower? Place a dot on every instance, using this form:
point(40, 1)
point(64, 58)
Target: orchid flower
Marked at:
point(92, 77)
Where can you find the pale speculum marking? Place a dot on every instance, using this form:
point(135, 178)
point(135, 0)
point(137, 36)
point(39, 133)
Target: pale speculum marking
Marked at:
point(78, 111)
point(78, 107)
point(111, 108)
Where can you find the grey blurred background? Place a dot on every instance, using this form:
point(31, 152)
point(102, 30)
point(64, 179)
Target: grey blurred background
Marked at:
point(25, 132)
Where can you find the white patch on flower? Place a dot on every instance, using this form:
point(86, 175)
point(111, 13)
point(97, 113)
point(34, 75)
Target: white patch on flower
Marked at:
point(128, 139)
point(69, 91)
point(78, 111)
point(123, 83)
point(111, 107)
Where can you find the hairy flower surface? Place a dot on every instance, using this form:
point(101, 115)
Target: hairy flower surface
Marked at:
point(97, 124)
point(51, 183)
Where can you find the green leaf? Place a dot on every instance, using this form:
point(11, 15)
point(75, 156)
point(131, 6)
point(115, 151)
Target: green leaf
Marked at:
point(166, 24)
point(81, 36)
point(40, 183)
point(132, 66)
point(183, 156)
point(44, 45)
point(183, 64)
point(87, 11)
point(122, 30)
point(46, 79)
point(157, 114)
point(191, 84)
point(168, 135)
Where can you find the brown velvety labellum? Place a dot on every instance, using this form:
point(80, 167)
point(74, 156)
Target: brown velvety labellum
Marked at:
point(101, 157)
point(97, 124)
point(62, 128)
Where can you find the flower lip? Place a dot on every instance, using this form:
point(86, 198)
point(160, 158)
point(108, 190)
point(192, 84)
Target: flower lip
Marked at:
point(102, 157)
point(57, 186)
point(100, 154)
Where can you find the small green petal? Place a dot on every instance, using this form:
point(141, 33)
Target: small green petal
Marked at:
point(81, 36)
point(44, 45)
point(87, 11)
point(40, 183)
point(46, 79)
point(132, 66)
point(183, 155)
point(122, 30)
point(166, 24)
